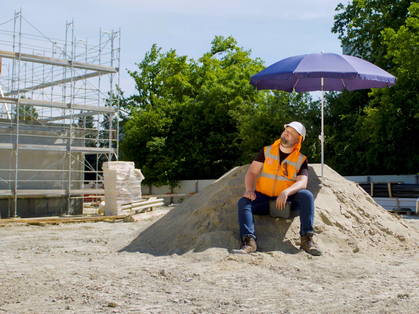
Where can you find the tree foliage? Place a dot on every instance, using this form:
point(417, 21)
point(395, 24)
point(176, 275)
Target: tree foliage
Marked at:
point(393, 119)
point(361, 22)
point(262, 124)
point(27, 113)
point(373, 132)
point(197, 119)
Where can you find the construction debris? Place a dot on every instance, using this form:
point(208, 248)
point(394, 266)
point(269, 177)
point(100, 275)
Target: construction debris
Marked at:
point(130, 212)
point(143, 216)
point(42, 221)
point(122, 185)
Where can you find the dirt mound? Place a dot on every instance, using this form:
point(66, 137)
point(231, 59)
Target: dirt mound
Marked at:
point(347, 220)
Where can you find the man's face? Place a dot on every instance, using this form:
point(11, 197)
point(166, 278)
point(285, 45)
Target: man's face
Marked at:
point(289, 137)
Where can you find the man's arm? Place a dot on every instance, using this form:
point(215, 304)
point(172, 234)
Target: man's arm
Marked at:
point(300, 184)
point(249, 179)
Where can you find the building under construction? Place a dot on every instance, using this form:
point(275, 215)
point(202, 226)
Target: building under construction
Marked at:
point(58, 117)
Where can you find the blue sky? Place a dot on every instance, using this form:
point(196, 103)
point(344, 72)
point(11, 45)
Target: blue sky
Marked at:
point(272, 29)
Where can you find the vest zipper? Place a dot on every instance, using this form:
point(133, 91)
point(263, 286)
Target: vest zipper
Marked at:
point(276, 176)
point(277, 170)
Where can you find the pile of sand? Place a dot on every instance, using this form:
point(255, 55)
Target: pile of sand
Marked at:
point(347, 220)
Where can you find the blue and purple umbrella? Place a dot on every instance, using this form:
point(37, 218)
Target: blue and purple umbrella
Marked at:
point(322, 72)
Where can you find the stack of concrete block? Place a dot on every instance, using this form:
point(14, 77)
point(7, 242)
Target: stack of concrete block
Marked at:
point(122, 185)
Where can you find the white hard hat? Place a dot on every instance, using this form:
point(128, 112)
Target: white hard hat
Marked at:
point(298, 127)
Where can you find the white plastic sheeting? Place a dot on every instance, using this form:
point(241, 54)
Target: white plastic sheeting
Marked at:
point(122, 185)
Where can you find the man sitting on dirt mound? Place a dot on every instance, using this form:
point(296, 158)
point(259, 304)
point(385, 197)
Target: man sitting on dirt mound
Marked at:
point(283, 178)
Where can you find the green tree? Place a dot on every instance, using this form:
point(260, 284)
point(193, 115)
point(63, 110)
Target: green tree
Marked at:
point(392, 120)
point(361, 128)
point(197, 119)
point(360, 24)
point(262, 124)
point(27, 113)
point(180, 125)
point(345, 141)
point(162, 83)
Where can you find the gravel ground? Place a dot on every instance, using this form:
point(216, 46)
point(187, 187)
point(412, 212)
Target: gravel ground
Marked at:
point(83, 268)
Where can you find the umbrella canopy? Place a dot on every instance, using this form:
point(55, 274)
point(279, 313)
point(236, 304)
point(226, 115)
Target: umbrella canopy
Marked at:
point(322, 72)
point(303, 74)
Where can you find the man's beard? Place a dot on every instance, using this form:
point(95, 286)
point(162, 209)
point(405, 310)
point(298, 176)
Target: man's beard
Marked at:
point(285, 142)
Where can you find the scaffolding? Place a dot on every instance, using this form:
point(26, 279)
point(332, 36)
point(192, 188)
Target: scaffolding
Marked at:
point(58, 117)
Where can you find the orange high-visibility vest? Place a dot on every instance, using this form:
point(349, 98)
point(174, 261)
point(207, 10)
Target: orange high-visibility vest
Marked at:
point(275, 176)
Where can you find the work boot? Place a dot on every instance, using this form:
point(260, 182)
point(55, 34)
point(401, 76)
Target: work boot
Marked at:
point(308, 245)
point(248, 246)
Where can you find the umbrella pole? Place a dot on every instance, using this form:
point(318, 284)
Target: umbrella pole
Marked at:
point(322, 131)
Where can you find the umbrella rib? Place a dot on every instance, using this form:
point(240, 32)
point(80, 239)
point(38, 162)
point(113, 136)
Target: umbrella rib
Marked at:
point(295, 84)
point(343, 83)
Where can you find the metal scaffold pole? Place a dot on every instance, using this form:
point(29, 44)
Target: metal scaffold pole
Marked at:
point(16, 66)
point(70, 132)
point(119, 84)
point(54, 107)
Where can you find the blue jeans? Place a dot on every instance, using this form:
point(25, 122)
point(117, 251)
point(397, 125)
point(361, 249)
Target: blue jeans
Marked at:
point(302, 202)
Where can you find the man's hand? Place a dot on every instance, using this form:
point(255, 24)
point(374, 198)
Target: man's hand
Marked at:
point(281, 200)
point(250, 195)
point(300, 184)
